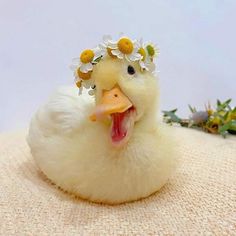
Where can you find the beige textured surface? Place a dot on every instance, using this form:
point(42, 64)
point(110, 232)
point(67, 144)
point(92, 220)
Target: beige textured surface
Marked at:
point(200, 198)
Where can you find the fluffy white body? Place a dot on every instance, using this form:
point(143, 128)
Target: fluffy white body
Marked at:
point(77, 155)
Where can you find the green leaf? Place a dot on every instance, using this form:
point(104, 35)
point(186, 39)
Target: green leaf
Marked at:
point(192, 109)
point(97, 59)
point(228, 101)
point(166, 113)
point(226, 116)
point(227, 104)
point(233, 125)
point(221, 121)
point(224, 127)
point(171, 114)
point(174, 110)
point(222, 106)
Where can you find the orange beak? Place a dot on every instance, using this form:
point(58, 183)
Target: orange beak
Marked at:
point(112, 101)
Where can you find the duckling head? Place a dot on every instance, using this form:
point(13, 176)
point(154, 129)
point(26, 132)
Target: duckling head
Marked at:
point(125, 97)
point(126, 89)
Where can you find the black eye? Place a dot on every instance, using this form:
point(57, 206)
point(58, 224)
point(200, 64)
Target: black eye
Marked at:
point(94, 86)
point(131, 70)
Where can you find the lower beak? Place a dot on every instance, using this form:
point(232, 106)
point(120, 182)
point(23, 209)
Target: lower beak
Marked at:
point(112, 101)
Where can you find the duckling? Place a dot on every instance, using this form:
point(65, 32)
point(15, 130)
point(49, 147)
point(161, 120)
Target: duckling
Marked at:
point(111, 147)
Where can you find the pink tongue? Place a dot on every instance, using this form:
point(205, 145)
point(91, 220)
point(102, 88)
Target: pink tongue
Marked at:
point(118, 129)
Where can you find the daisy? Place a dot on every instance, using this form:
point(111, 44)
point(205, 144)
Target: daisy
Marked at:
point(78, 83)
point(82, 79)
point(85, 84)
point(91, 92)
point(91, 88)
point(86, 59)
point(125, 48)
point(152, 50)
point(145, 62)
point(107, 45)
point(88, 83)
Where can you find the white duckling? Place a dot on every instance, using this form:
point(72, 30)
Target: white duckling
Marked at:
point(113, 148)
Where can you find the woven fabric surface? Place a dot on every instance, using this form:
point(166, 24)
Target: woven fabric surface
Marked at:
point(199, 199)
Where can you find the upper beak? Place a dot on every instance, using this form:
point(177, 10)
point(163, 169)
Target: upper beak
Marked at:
point(112, 101)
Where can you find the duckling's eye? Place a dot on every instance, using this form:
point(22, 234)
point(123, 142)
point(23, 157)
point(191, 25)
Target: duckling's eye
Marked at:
point(130, 70)
point(94, 86)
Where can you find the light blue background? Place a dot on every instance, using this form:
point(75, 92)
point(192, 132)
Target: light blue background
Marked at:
point(38, 39)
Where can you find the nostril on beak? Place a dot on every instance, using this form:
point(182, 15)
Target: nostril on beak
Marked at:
point(115, 95)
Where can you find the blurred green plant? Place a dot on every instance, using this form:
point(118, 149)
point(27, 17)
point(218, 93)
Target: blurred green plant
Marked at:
point(221, 120)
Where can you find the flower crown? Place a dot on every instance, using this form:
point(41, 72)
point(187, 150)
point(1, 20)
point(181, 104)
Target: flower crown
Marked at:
point(123, 49)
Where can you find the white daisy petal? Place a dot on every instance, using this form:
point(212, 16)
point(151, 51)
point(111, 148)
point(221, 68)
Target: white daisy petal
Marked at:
point(143, 65)
point(102, 46)
point(83, 68)
point(115, 52)
point(76, 60)
point(76, 76)
point(86, 67)
point(97, 52)
point(120, 55)
point(138, 56)
point(77, 79)
point(106, 39)
point(75, 64)
point(86, 85)
point(127, 57)
point(80, 90)
point(112, 45)
point(135, 42)
point(103, 49)
point(73, 67)
point(136, 48)
point(134, 57)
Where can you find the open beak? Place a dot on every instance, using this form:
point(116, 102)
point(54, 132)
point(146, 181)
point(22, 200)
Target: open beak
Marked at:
point(112, 101)
point(116, 106)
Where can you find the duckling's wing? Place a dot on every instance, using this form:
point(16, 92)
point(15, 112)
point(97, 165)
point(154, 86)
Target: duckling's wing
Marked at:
point(63, 114)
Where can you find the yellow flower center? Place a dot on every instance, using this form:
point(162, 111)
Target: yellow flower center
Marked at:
point(142, 52)
point(84, 76)
point(87, 56)
point(125, 45)
point(151, 50)
point(109, 53)
point(79, 83)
